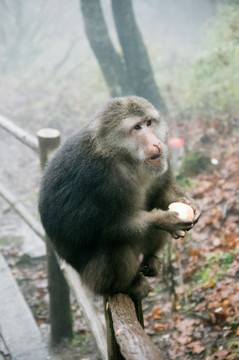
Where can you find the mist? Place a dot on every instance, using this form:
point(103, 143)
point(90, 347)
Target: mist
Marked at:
point(45, 53)
point(59, 61)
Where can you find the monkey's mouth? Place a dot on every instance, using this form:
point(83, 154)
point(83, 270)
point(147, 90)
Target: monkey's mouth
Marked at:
point(155, 159)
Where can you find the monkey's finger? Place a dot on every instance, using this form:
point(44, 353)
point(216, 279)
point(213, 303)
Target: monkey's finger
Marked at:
point(185, 225)
point(184, 200)
point(197, 215)
point(181, 233)
point(178, 234)
point(182, 224)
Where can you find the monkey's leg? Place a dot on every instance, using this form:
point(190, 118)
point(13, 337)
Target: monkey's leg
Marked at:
point(151, 265)
point(115, 271)
point(128, 279)
point(139, 287)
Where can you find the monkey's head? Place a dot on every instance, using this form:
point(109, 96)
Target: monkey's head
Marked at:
point(131, 128)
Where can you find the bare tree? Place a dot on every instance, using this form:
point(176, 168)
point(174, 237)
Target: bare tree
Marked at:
point(21, 40)
point(139, 71)
point(109, 60)
point(130, 73)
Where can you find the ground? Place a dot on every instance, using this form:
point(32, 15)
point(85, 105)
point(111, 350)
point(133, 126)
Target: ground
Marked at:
point(193, 310)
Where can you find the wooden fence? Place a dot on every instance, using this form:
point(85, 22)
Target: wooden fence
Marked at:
point(123, 337)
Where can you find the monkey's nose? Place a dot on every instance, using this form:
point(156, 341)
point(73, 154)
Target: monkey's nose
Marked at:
point(158, 146)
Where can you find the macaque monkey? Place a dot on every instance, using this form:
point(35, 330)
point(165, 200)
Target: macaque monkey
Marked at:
point(105, 194)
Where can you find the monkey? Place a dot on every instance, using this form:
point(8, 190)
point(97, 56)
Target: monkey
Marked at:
point(104, 197)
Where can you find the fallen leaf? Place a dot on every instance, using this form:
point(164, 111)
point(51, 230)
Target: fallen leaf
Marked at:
point(220, 354)
point(182, 339)
point(160, 327)
point(196, 347)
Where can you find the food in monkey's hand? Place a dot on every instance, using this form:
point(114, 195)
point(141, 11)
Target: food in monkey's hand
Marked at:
point(184, 211)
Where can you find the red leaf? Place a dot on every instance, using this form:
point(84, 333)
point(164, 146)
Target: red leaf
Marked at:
point(160, 327)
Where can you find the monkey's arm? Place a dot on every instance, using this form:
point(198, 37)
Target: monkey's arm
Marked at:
point(168, 191)
point(144, 221)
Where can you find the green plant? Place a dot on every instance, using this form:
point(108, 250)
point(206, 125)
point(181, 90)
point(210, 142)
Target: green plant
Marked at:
point(81, 340)
point(213, 81)
point(234, 347)
point(194, 162)
point(216, 265)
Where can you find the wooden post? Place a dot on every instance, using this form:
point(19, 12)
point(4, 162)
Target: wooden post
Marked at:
point(60, 309)
point(48, 140)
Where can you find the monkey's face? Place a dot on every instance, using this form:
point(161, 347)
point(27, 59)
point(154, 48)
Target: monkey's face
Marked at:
point(131, 128)
point(146, 139)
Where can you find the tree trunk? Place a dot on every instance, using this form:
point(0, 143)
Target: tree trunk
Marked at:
point(109, 60)
point(139, 70)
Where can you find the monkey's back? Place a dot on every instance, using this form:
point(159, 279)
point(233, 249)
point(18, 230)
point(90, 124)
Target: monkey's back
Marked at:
point(81, 195)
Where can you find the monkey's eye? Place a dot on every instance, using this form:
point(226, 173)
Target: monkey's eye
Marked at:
point(149, 122)
point(137, 127)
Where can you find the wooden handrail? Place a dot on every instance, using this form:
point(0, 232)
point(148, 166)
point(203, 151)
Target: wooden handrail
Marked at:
point(19, 133)
point(22, 211)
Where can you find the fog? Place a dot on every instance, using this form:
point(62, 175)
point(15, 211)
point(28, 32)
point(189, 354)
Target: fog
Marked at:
point(43, 36)
point(46, 58)
point(182, 55)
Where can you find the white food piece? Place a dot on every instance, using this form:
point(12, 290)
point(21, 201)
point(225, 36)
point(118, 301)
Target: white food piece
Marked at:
point(184, 211)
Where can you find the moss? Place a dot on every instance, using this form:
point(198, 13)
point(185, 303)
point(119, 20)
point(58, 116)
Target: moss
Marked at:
point(195, 162)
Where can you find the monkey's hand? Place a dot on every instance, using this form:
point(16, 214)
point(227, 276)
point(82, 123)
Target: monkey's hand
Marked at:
point(170, 222)
point(194, 206)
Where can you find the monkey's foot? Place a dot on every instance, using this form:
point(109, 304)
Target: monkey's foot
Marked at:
point(151, 266)
point(139, 288)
